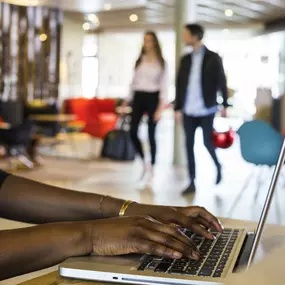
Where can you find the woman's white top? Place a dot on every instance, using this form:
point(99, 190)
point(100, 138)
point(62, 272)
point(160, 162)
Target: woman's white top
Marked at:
point(149, 77)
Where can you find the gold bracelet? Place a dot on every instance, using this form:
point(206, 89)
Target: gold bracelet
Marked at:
point(125, 207)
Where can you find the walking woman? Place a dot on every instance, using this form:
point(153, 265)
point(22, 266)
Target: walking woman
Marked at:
point(148, 95)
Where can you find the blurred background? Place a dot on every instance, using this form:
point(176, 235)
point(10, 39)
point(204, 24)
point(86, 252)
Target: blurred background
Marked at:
point(67, 65)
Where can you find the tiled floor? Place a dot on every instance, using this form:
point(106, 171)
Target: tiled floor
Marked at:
point(120, 180)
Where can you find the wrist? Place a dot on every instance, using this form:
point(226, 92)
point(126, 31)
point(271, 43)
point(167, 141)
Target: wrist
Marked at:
point(76, 238)
point(137, 209)
point(111, 207)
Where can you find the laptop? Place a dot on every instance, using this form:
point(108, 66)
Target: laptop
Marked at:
point(230, 251)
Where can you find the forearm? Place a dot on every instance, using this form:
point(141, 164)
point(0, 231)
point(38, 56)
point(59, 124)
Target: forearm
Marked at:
point(32, 202)
point(30, 249)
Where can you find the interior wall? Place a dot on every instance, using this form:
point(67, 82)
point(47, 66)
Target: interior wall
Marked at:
point(118, 52)
point(71, 57)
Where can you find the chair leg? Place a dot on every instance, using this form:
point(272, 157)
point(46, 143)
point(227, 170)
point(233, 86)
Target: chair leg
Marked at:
point(259, 183)
point(73, 144)
point(237, 199)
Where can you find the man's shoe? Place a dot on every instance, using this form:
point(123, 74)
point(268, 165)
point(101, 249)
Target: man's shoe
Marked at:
point(190, 190)
point(219, 175)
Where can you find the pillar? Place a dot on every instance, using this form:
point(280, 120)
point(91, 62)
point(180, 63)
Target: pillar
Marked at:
point(185, 12)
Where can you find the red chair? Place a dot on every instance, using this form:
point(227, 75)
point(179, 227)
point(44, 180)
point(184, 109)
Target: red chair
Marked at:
point(78, 107)
point(101, 117)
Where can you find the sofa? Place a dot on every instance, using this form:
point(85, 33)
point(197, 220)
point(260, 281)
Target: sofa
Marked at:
point(95, 117)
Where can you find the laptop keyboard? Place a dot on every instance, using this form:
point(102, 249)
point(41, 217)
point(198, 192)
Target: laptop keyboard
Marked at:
point(214, 257)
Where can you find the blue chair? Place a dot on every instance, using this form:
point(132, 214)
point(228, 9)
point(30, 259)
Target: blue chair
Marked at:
point(260, 145)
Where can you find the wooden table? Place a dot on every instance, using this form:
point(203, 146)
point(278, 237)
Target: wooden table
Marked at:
point(60, 118)
point(274, 236)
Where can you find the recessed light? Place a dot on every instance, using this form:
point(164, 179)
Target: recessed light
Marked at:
point(43, 37)
point(229, 13)
point(93, 18)
point(33, 2)
point(86, 26)
point(107, 6)
point(134, 18)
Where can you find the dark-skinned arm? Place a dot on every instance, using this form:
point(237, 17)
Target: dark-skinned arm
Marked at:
point(33, 202)
point(38, 247)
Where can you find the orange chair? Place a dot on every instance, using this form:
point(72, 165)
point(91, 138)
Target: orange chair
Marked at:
point(78, 107)
point(101, 117)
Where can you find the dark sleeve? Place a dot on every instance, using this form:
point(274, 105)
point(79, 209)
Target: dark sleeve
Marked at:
point(3, 177)
point(222, 81)
point(178, 98)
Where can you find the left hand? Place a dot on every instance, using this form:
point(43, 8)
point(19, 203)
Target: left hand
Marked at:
point(194, 218)
point(157, 115)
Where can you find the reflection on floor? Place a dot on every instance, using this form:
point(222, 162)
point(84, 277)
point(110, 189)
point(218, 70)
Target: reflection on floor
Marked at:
point(120, 180)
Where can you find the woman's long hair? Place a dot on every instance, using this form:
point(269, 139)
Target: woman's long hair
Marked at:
point(157, 49)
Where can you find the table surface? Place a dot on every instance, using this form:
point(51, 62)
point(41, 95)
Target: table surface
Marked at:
point(54, 118)
point(124, 110)
point(274, 236)
point(5, 126)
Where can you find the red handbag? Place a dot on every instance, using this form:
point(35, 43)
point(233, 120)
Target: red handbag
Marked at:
point(223, 139)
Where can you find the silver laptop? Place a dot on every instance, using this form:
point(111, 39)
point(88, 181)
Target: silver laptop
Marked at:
point(231, 250)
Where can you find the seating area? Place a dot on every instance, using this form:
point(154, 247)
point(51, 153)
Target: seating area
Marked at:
point(96, 117)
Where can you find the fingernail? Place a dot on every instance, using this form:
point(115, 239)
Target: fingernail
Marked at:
point(212, 237)
point(177, 255)
point(221, 225)
point(181, 230)
point(195, 255)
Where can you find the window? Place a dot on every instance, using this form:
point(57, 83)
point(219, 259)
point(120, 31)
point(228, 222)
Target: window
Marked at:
point(90, 66)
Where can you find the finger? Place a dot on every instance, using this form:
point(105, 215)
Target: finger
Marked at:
point(203, 222)
point(172, 230)
point(153, 248)
point(202, 212)
point(171, 242)
point(211, 219)
point(201, 231)
point(189, 223)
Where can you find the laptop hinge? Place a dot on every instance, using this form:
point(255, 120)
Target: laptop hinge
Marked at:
point(244, 253)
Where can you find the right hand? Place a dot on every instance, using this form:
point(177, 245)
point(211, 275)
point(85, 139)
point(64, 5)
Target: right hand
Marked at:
point(178, 116)
point(143, 235)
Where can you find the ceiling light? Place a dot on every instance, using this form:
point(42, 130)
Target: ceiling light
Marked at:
point(108, 6)
point(33, 3)
point(134, 18)
point(86, 26)
point(93, 18)
point(229, 13)
point(43, 37)
point(226, 31)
